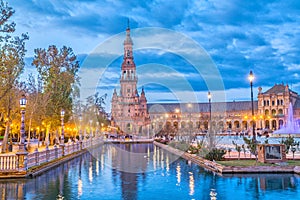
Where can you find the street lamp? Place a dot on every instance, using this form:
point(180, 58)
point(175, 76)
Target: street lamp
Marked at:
point(190, 121)
point(80, 133)
point(62, 115)
point(209, 128)
point(97, 129)
point(62, 139)
point(91, 132)
point(209, 107)
point(251, 78)
point(23, 102)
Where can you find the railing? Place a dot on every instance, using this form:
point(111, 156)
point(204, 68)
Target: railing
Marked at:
point(8, 162)
point(11, 162)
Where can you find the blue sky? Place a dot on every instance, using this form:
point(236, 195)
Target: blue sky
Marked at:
point(238, 35)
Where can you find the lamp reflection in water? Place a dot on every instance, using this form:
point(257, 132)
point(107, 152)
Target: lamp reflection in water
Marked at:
point(79, 179)
point(154, 157)
point(191, 183)
point(102, 161)
point(97, 167)
point(178, 174)
point(213, 194)
point(91, 170)
point(162, 159)
point(61, 184)
point(167, 164)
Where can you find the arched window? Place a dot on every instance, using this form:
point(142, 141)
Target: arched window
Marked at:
point(182, 124)
point(168, 125)
point(175, 124)
point(129, 127)
point(236, 124)
point(273, 112)
point(198, 124)
point(267, 112)
point(190, 124)
point(267, 124)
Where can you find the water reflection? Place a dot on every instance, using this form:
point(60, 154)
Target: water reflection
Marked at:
point(79, 178)
point(213, 194)
point(61, 183)
point(191, 183)
point(97, 175)
point(178, 174)
point(268, 182)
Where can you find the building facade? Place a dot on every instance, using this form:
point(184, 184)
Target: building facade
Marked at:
point(273, 106)
point(270, 112)
point(129, 109)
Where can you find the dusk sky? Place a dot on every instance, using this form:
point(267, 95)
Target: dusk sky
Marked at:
point(238, 36)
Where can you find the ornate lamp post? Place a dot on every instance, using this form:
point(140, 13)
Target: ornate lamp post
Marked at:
point(97, 129)
point(91, 132)
point(22, 153)
point(209, 108)
point(210, 136)
point(80, 133)
point(62, 138)
point(23, 102)
point(190, 121)
point(251, 78)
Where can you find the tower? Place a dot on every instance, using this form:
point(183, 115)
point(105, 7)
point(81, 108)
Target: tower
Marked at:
point(129, 110)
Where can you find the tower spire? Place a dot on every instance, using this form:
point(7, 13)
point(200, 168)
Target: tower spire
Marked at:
point(128, 39)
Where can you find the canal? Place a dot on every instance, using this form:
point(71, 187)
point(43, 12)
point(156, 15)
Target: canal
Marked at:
point(143, 171)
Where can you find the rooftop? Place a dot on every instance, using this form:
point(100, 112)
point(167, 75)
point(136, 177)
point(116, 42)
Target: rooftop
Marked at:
point(200, 107)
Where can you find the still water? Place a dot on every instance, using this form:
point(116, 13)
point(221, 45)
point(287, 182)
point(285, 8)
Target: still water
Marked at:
point(143, 171)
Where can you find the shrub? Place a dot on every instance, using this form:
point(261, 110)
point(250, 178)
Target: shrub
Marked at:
point(192, 149)
point(215, 154)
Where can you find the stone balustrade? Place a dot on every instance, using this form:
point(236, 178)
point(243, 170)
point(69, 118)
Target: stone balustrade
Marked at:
point(8, 162)
point(20, 162)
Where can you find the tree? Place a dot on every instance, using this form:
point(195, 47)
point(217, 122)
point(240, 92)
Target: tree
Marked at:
point(58, 70)
point(94, 109)
point(252, 146)
point(12, 52)
point(289, 143)
point(36, 102)
point(238, 148)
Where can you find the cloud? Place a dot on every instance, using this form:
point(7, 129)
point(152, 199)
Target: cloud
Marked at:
point(293, 67)
point(240, 36)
